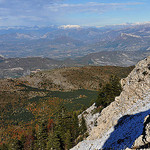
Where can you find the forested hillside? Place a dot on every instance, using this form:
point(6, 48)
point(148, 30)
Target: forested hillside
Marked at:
point(43, 107)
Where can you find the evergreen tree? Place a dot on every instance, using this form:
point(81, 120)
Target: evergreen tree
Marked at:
point(116, 86)
point(83, 127)
point(75, 130)
point(42, 135)
point(65, 122)
point(34, 139)
point(62, 125)
point(68, 140)
point(108, 93)
point(53, 142)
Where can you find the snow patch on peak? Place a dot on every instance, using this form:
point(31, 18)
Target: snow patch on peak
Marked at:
point(70, 26)
point(130, 35)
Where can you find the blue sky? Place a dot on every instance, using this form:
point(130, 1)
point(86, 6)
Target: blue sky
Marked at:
point(74, 12)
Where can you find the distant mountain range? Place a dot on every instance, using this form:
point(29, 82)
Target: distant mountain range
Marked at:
point(26, 49)
point(59, 43)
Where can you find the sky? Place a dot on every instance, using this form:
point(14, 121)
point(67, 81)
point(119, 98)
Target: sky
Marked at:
point(73, 12)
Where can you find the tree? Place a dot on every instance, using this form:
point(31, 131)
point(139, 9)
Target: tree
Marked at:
point(75, 130)
point(83, 127)
point(42, 135)
point(50, 126)
point(53, 141)
point(64, 122)
point(108, 93)
point(60, 127)
point(116, 86)
point(68, 140)
point(34, 138)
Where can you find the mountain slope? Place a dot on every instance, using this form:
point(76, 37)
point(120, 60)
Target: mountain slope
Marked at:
point(74, 78)
point(24, 100)
point(39, 84)
point(114, 58)
point(16, 67)
point(121, 122)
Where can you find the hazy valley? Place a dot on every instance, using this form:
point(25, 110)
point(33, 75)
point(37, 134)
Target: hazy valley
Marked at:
point(60, 43)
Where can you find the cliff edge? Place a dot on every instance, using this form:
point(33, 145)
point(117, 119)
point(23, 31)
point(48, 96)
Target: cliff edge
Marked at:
point(121, 123)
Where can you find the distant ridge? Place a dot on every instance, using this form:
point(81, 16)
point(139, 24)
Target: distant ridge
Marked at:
point(17, 67)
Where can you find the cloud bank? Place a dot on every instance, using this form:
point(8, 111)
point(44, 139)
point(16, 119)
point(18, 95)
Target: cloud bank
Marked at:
point(47, 12)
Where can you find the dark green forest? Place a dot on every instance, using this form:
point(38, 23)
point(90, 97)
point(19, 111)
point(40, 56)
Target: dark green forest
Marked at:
point(63, 129)
point(61, 133)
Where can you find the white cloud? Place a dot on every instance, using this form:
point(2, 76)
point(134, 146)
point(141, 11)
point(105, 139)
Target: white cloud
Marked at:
point(90, 6)
point(38, 12)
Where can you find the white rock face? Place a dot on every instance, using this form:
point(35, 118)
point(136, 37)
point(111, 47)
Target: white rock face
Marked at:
point(122, 121)
point(89, 117)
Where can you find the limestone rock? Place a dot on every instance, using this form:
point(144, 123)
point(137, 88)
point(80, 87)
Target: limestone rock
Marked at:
point(144, 139)
point(90, 118)
point(121, 122)
point(128, 149)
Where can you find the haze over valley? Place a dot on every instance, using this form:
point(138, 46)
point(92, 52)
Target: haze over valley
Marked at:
point(25, 49)
point(59, 43)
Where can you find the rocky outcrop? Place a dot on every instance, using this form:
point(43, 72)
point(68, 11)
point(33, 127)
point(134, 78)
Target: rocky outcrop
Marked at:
point(90, 117)
point(122, 121)
point(143, 141)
